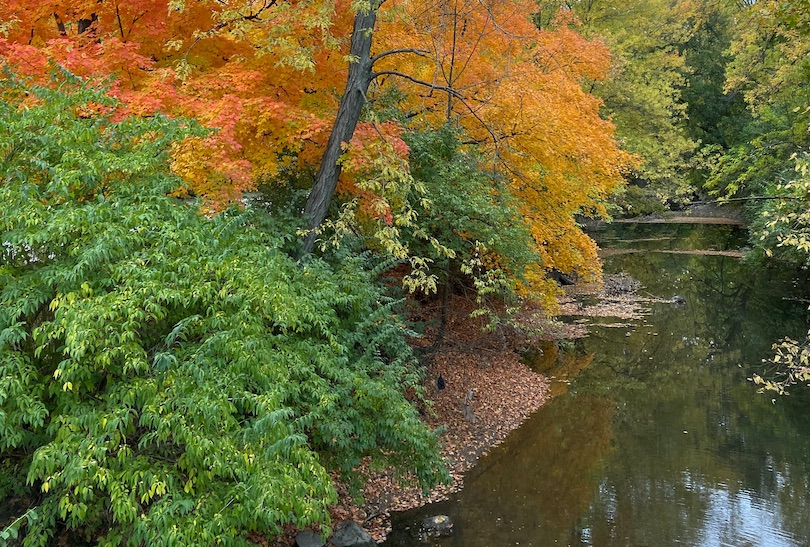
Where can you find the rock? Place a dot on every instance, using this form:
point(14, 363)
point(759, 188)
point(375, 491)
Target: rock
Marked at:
point(350, 534)
point(562, 278)
point(620, 284)
point(437, 526)
point(308, 538)
point(678, 300)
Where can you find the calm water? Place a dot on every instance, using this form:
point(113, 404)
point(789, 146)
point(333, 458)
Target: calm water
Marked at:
point(659, 439)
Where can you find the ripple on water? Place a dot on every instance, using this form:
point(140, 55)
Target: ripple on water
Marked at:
point(742, 518)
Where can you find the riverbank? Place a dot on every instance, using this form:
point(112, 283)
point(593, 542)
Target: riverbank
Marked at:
point(698, 213)
point(488, 390)
point(487, 393)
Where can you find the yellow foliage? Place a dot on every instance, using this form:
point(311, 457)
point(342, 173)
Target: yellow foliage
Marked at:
point(518, 93)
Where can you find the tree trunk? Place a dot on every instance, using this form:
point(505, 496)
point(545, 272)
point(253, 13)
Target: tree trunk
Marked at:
point(349, 111)
point(85, 24)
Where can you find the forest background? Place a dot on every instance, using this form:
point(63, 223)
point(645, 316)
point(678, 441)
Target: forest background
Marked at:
point(203, 204)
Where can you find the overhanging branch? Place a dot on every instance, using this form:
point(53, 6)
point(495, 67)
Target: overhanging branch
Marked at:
point(419, 52)
point(449, 90)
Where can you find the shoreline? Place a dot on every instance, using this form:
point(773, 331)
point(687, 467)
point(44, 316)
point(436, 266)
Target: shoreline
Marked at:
point(505, 392)
point(489, 392)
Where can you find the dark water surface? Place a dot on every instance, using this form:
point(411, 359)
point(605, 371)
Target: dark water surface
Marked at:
point(659, 439)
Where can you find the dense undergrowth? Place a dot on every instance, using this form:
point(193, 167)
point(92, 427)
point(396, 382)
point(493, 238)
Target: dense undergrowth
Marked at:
point(172, 378)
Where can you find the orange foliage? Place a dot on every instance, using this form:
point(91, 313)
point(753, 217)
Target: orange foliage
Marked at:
point(266, 77)
point(518, 92)
point(375, 148)
point(209, 61)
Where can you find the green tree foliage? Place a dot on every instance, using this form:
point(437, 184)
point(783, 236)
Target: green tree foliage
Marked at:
point(792, 361)
point(169, 378)
point(471, 212)
point(782, 225)
point(770, 67)
point(713, 116)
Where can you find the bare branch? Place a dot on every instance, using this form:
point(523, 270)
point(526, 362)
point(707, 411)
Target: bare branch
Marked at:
point(445, 89)
point(419, 52)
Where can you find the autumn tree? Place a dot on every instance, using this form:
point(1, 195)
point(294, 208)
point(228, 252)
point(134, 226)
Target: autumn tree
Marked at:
point(266, 75)
point(643, 90)
point(516, 94)
point(170, 374)
point(234, 67)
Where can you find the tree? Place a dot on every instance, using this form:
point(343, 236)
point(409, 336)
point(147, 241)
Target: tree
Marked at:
point(168, 377)
point(348, 114)
point(713, 115)
point(643, 92)
point(781, 227)
point(516, 92)
point(235, 67)
point(769, 69)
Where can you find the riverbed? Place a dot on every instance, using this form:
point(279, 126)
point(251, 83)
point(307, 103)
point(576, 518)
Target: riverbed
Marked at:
point(656, 436)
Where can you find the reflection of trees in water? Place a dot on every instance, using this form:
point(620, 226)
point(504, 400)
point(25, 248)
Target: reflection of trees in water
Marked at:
point(728, 303)
point(732, 292)
point(531, 489)
point(560, 364)
point(542, 479)
point(671, 236)
point(739, 449)
point(691, 446)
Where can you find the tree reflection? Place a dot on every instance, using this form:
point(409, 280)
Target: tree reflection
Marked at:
point(543, 478)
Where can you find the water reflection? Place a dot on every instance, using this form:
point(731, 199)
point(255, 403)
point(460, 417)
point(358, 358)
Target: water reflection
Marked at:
point(659, 439)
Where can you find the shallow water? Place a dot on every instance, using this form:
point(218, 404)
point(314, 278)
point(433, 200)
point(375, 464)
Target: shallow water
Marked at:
point(659, 439)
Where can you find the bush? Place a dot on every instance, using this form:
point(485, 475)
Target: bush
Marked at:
point(170, 378)
point(634, 201)
point(471, 212)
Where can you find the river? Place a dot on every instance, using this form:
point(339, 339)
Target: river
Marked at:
point(657, 437)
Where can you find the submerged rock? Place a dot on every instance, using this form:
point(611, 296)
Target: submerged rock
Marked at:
point(350, 534)
point(437, 526)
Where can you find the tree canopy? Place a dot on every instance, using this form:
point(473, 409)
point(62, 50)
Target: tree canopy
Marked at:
point(182, 360)
point(268, 77)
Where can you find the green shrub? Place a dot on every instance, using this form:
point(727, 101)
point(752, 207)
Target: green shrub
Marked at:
point(634, 201)
point(167, 378)
point(471, 212)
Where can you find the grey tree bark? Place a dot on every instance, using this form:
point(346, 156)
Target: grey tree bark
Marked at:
point(349, 111)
